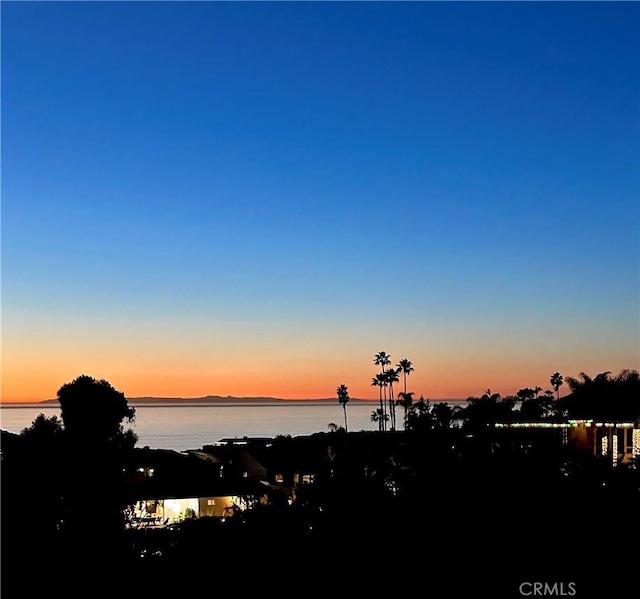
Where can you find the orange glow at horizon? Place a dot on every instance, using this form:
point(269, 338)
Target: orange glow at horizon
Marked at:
point(31, 376)
point(301, 385)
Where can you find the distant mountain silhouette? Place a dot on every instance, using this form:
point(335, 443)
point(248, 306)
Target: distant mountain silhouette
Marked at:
point(218, 399)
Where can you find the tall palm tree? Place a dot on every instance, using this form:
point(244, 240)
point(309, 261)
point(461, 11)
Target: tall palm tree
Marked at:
point(382, 359)
point(382, 381)
point(556, 381)
point(376, 382)
point(391, 376)
point(406, 368)
point(343, 400)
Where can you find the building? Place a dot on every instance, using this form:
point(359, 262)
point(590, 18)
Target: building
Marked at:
point(618, 441)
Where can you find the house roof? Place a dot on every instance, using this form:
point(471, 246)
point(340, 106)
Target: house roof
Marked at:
point(162, 473)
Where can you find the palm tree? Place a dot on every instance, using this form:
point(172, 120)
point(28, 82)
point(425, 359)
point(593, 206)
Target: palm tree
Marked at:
point(405, 399)
point(376, 382)
point(406, 368)
point(391, 377)
point(343, 400)
point(382, 359)
point(379, 416)
point(556, 381)
point(605, 397)
point(382, 381)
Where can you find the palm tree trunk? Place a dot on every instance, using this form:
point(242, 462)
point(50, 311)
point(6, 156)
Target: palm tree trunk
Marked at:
point(384, 414)
point(392, 408)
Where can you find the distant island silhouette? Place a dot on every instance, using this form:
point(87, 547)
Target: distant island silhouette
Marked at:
point(218, 399)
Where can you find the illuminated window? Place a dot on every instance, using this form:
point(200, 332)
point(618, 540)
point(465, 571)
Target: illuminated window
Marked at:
point(279, 478)
point(211, 501)
point(629, 444)
point(308, 478)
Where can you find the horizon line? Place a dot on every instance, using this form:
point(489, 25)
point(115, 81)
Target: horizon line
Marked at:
point(149, 398)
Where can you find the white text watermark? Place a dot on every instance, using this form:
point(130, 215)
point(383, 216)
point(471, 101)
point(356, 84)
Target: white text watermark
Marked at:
point(547, 589)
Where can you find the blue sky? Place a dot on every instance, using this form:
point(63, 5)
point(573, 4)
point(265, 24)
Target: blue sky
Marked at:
point(190, 186)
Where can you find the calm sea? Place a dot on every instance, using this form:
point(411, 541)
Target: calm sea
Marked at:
point(190, 427)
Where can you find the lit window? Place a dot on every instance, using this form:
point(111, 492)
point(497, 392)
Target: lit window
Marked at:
point(211, 501)
point(279, 478)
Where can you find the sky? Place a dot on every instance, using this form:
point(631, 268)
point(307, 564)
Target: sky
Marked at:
point(255, 198)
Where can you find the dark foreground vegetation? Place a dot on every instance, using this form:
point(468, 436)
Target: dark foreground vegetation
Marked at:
point(449, 506)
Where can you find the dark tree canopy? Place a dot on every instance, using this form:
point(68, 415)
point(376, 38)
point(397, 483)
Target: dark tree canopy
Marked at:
point(43, 429)
point(93, 409)
point(604, 397)
point(485, 411)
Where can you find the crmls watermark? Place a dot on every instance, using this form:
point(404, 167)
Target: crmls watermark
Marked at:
point(547, 589)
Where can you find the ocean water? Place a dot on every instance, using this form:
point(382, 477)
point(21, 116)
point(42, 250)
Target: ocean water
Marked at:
point(190, 427)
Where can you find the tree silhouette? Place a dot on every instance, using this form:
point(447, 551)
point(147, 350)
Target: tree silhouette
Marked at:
point(343, 400)
point(525, 394)
point(92, 410)
point(537, 408)
point(481, 413)
point(405, 399)
point(419, 417)
point(43, 431)
point(382, 377)
point(391, 377)
point(406, 368)
point(605, 397)
point(444, 414)
point(66, 479)
point(377, 382)
point(383, 359)
point(95, 450)
point(379, 416)
point(556, 381)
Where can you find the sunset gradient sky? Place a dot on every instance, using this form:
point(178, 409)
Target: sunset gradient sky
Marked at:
point(253, 199)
